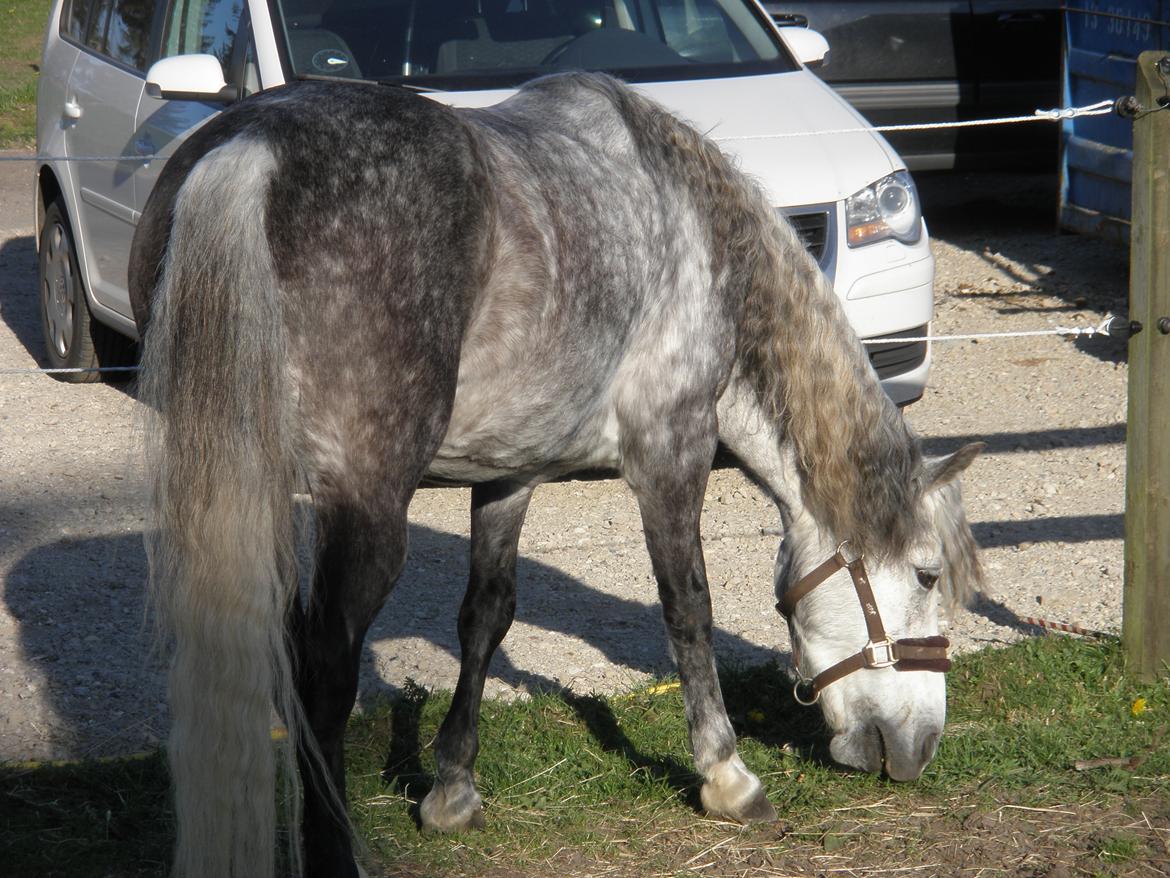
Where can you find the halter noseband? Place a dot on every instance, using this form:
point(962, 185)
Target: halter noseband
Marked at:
point(905, 654)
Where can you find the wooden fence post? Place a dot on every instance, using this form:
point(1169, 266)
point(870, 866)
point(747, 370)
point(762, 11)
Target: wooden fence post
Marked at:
point(1146, 614)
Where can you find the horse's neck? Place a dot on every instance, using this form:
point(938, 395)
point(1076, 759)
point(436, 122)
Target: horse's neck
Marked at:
point(753, 436)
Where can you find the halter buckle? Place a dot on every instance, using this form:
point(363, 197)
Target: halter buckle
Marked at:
point(879, 654)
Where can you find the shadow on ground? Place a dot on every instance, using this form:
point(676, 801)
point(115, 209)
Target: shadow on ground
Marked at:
point(1010, 221)
point(91, 640)
point(18, 294)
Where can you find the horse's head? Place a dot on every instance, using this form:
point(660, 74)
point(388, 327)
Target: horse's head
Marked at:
point(865, 628)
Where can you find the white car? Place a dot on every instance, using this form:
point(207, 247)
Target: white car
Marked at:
point(126, 79)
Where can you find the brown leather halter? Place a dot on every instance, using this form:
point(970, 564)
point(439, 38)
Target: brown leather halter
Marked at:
point(905, 654)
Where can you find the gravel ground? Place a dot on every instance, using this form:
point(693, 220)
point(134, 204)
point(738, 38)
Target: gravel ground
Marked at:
point(77, 673)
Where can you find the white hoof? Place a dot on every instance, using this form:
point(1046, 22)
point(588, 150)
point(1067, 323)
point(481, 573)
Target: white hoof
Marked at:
point(452, 810)
point(733, 792)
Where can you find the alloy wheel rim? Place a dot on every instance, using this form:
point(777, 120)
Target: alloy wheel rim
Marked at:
point(59, 291)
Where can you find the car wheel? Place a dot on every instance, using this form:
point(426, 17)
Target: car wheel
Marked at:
point(73, 339)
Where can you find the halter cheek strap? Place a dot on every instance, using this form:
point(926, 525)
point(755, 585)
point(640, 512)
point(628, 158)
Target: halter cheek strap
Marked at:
point(904, 654)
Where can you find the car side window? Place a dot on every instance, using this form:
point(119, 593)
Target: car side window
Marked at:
point(248, 77)
point(203, 27)
point(117, 29)
point(76, 21)
point(128, 31)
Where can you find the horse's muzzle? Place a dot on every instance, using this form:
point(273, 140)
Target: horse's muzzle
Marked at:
point(873, 748)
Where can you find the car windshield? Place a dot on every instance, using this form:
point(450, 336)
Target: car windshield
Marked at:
point(478, 44)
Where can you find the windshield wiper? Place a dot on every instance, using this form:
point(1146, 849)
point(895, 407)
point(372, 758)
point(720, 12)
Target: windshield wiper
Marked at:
point(322, 77)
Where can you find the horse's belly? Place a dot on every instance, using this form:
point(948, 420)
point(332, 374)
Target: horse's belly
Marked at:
point(528, 436)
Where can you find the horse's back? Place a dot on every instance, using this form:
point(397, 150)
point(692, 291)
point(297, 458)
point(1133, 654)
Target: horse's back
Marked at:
point(530, 281)
point(600, 305)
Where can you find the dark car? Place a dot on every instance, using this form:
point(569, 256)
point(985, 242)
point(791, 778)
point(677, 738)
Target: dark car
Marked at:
point(942, 61)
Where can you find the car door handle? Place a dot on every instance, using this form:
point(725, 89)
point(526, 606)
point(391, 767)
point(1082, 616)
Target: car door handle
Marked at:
point(72, 110)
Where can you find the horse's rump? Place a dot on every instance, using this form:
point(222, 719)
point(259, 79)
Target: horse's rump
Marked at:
point(294, 323)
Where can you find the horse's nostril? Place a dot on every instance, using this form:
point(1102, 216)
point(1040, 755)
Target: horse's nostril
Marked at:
point(860, 748)
point(905, 756)
point(929, 746)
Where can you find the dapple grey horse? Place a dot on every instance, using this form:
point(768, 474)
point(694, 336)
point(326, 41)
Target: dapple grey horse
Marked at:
point(354, 287)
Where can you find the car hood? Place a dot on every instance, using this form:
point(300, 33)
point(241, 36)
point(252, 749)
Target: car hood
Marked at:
point(812, 167)
point(806, 164)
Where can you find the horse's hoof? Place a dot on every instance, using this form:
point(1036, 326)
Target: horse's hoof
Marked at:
point(757, 810)
point(454, 810)
point(735, 793)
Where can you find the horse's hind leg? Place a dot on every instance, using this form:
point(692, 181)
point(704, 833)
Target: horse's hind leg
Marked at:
point(497, 514)
point(667, 466)
point(361, 551)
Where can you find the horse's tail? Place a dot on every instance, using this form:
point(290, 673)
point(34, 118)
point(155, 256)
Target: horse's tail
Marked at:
point(221, 540)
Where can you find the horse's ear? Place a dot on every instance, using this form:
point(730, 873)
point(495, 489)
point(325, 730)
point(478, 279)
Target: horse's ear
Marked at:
point(939, 471)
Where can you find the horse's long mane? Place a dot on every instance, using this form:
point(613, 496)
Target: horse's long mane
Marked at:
point(857, 456)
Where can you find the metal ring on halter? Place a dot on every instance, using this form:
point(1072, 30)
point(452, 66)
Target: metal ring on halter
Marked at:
point(806, 684)
point(841, 545)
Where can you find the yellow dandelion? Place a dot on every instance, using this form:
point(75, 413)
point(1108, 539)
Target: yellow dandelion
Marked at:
point(662, 687)
point(1138, 707)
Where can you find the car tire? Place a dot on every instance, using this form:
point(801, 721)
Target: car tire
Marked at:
point(73, 339)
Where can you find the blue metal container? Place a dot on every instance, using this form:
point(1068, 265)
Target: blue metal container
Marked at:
point(1102, 41)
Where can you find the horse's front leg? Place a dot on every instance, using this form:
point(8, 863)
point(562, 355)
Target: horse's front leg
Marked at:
point(668, 469)
point(497, 515)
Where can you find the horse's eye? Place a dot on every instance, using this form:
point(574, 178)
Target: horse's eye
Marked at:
point(928, 579)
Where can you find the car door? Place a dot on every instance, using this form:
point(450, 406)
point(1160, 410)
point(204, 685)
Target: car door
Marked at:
point(1019, 68)
point(101, 104)
point(215, 27)
point(1019, 58)
point(898, 63)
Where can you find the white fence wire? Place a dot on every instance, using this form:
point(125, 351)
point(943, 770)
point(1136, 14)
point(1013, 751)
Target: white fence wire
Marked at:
point(1105, 328)
point(1101, 108)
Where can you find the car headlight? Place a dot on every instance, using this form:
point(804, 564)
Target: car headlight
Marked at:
point(885, 209)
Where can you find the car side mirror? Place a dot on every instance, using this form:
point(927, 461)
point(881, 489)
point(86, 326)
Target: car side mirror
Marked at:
point(189, 78)
point(809, 46)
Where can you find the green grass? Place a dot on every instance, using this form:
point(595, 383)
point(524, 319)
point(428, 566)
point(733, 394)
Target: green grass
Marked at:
point(106, 818)
point(570, 781)
point(598, 774)
point(22, 31)
point(1119, 848)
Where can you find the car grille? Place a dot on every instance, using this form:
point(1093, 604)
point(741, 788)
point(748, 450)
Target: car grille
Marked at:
point(897, 357)
point(813, 228)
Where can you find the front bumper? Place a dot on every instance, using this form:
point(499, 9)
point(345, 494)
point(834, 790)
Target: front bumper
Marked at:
point(887, 290)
